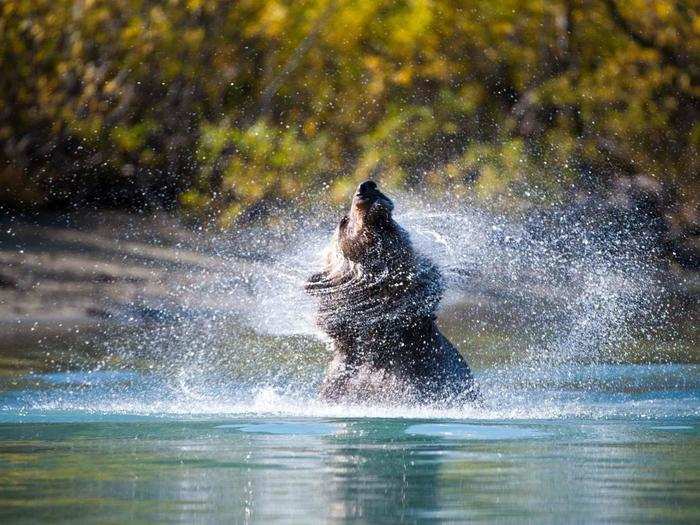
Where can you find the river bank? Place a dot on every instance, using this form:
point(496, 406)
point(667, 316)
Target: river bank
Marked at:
point(102, 266)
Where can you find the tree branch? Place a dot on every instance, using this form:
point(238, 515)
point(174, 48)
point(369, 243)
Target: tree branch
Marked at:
point(668, 54)
point(295, 59)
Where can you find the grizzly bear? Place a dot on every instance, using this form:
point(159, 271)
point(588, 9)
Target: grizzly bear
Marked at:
point(377, 299)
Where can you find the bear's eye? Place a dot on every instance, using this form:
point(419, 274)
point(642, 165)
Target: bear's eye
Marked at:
point(343, 221)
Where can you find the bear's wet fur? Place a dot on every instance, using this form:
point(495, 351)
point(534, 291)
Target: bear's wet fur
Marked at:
point(377, 301)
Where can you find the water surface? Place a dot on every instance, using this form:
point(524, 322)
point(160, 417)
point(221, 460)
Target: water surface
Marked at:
point(112, 446)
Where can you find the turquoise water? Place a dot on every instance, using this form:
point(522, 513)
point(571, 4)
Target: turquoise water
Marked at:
point(609, 443)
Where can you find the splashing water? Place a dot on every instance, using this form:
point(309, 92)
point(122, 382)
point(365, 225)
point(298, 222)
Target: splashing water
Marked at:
point(569, 306)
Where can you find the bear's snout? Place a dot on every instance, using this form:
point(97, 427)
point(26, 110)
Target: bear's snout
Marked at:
point(367, 193)
point(368, 196)
point(366, 188)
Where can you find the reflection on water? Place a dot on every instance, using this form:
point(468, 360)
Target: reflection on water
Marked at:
point(476, 432)
point(375, 470)
point(287, 428)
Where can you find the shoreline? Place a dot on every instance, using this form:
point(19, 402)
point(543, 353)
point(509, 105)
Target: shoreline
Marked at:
point(106, 266)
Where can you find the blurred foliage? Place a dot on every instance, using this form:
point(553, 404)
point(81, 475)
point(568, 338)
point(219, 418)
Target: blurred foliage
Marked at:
point(219, 107)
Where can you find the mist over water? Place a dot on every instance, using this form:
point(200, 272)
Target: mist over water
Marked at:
point(570, 301)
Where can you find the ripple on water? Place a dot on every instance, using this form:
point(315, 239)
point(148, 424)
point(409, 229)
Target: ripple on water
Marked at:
point(474, 432)
point(286, 428)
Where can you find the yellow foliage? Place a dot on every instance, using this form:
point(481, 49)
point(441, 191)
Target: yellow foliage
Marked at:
point(232, 103)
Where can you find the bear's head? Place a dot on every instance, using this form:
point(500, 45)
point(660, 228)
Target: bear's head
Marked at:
point(368, 230)
point(372, 277)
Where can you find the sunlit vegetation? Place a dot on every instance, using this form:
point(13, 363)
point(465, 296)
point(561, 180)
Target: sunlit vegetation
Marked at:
point(217, 107)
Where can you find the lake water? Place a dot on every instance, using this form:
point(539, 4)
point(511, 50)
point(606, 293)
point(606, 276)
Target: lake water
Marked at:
point(115, 444)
